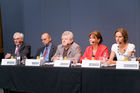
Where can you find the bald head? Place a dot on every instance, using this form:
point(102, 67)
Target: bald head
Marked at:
point(46, 34)
point(46, 39)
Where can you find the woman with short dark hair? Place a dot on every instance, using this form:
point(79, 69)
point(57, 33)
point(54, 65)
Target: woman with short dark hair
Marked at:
point(96, 49)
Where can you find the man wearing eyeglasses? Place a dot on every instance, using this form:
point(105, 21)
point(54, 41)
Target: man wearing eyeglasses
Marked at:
point(20, 48)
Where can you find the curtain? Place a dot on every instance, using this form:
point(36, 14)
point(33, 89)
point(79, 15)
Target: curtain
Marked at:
point(1, 40)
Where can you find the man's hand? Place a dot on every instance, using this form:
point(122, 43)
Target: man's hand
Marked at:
point(8, 55)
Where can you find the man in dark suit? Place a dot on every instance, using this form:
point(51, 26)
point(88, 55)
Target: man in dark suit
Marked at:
point(20, 48)
point(48, 50)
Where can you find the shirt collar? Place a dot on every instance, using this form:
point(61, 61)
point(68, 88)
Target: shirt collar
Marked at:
point(49, 46)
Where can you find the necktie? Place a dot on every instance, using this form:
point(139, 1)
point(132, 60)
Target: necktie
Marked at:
point(45, 53)
point(17, 50)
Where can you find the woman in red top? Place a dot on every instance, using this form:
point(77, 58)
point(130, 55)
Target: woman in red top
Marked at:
point(96, 49)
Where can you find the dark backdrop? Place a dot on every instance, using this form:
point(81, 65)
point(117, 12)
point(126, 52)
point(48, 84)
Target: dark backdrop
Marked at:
point(34, 17)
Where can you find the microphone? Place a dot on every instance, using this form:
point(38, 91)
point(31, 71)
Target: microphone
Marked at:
point(68, 44)
point(20, 42)
point(120, 42)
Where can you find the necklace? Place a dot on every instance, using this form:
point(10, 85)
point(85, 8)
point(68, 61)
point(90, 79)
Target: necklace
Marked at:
point(119, 51)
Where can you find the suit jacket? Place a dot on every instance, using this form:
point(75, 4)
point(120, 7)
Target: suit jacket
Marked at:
point(51, 54)
point(102, 49)
point(74, 52)
point(24, 50)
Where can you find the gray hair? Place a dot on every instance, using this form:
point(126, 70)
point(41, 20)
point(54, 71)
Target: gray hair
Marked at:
point(18, 33)
point(69, 34)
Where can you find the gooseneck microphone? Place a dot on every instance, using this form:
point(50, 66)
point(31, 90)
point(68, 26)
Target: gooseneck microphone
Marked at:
point(93, 42)
point(20, 42)
point(120, 42)
point(68, 44)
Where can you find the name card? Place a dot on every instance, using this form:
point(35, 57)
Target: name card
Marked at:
point(32, 62)
point(49, 63)
point(127, 65)
point(62, 63)
point(8, 62)
point(91, 63)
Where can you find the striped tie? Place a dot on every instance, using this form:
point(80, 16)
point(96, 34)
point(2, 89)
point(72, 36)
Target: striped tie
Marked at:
point(45, 53)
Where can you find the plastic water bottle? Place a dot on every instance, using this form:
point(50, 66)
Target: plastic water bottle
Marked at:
point(23, 59)
point(133, 58)
point(41, 59)
point(18, 59)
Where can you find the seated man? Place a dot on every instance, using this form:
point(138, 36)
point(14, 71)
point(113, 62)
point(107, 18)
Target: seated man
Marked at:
point(48, 50)
point(20, 48)
point(68, 49)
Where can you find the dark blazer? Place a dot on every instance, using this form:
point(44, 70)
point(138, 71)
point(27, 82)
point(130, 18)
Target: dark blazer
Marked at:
point(52, 52)
point(24, 50)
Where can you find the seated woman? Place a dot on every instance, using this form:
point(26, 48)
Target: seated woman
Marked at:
point(96, 49)
point(121, 48)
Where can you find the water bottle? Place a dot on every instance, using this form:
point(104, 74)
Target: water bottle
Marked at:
point(41, 59)
point(133, 58)
point(18, 59)
point(23, 60)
